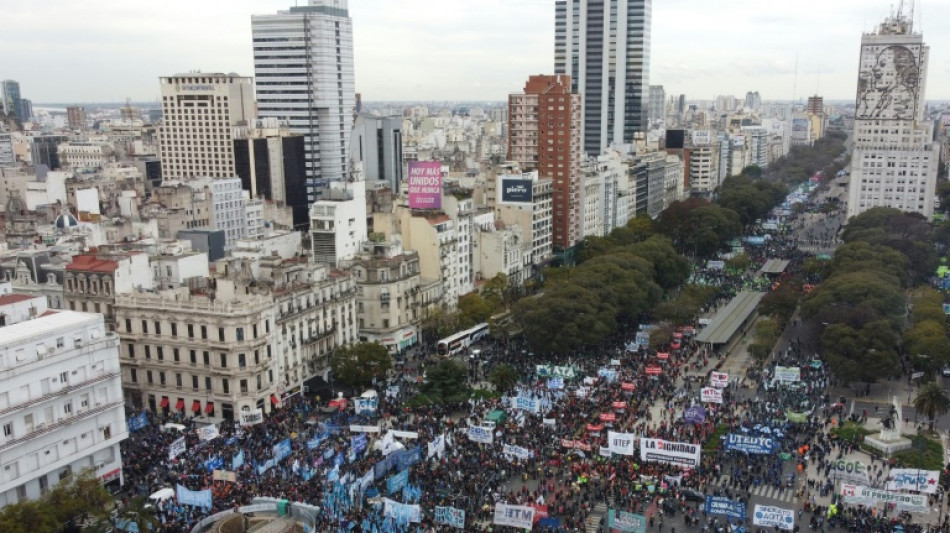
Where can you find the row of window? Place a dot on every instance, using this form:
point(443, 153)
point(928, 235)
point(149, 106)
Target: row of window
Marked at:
point(181, 379)
point(190, 330)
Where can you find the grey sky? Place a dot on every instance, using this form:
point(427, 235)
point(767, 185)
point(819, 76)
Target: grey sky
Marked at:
point(106, 50)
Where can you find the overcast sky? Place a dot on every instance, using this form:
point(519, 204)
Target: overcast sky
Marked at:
point(106, 50)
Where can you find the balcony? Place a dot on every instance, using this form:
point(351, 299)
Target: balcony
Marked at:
point(62, 422)
point(62, 392)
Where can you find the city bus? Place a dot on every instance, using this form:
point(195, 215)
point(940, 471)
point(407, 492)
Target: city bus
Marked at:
point(458, 342)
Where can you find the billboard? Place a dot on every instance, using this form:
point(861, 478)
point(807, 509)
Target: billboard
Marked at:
point(424, 185)
point(701, 137)
point(517, 191)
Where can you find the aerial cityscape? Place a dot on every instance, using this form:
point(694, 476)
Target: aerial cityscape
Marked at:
point(620, 292)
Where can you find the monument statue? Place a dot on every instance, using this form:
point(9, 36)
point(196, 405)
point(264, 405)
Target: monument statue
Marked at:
point(893, 422)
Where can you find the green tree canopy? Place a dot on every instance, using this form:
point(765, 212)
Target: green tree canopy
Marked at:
point(447, 381)
point(932, 400)
point(866, 354)
point(503, 377)
point(356, 365)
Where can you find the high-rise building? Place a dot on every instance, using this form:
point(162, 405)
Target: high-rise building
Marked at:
point(604, 45)
point(62, 410)
point(895, 159)
point(270, 162)
point(76, 117)
point(753, 100)
point(376, 148)
point(657, 108)
point(199, 112)
point(10, 93)
point(816, 105)
point(303, 67)
point(545, 124)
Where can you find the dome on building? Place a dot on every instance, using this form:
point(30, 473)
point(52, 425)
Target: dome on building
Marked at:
point(65, 220)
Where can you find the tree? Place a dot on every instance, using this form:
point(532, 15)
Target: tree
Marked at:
point(473, 309)
point(356, 365)
point(866, 354)
point(739, 262)
point(496, 292)
point(73, 499)
point(138, 511)
point(503, 377)
point(933, 401)
point(447, 381)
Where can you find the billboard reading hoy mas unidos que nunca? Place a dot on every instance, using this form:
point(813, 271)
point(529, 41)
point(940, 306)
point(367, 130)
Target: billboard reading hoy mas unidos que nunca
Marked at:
point(425, 185)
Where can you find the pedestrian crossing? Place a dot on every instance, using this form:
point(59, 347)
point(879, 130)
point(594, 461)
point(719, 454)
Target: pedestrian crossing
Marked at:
point(766, 491)
point(593, 520)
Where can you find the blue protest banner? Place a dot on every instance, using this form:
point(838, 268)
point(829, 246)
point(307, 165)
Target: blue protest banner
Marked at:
point(281, 450)
point(197, 498)
point(718, 505)
point(408, 458)
point(396, 482)
point(750, 444)
point(213, 463)
point(313, 443)
point(694, 415)
point(358, 442)
point(237, 461)
point(137, 422)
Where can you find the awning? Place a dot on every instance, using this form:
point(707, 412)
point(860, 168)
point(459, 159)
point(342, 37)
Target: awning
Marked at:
point(273, 399)
point(164, 403)
point(196, 407)
point(180, 405)
point(209, 407)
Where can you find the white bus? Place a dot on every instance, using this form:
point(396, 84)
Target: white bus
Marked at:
point(457, 343)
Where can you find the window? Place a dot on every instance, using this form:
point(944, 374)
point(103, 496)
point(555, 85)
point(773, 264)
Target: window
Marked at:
point(174, 329)
point(221, 334)
point(257, 358)
point(148, 377)
point(207, 358)
point(243, 385)
point(131, 351)
point(241, 360)
point(224, 386)
point(258, 382)
point(160, 352)
point(134, 376)
point(175, 354)
point(68, 408)
point(267, 326)
point(254, 330)
point(144, 326)
point(178, 380)
point(8, 429)
point(63, 377)
point(208, 383)
point(224, 360)
point(148, 352)
point(158, 327)
point(161, 378)
point(240, 334)
point(204, 332)
point(128, 325)
point(191, 331)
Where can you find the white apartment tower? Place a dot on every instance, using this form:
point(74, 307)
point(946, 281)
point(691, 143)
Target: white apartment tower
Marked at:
point(895, 159)
point(61, 408)
point(604, 45)
point(303, 67)
point(199, 111)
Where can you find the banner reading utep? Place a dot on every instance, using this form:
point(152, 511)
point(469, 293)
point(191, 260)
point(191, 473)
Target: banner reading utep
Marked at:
point(519, 516)
point(620, 443)
point(424, 185)
point(672, 453)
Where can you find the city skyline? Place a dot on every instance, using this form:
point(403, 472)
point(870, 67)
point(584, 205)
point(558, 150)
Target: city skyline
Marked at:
point(427, 50)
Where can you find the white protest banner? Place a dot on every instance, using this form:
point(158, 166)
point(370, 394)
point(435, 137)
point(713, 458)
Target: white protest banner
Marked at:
point(364, 429)
point(250, 418)
point(854, 472)
point(605, 451)
point(177, 448)
point(406, 434)
point(672, 453)
point(528, 404)
point(208, 432)
point(517, 452)
point(556, 383)
point(915, 503)
point(719, 379)
point(615, 362)
point(480, 434)
point(711, 395)
point(223, 475)
point(450, 516)
point(402, 512)
point(548, 421)
point(788, 373)
point(436, 447)
point(925, 481)
point(519, 516)
point(769, 516)
point(620, 443)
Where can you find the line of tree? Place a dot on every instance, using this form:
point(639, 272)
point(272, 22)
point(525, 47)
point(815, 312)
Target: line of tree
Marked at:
point(862, 301)
point(802, 162)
